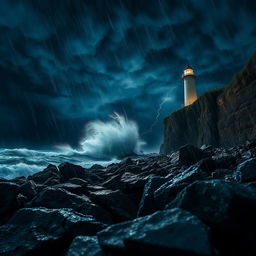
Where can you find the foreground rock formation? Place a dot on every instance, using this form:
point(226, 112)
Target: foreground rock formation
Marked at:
point(224, 117)
point(192, 202)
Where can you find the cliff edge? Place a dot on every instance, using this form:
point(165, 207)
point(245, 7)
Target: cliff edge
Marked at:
point(222, 117)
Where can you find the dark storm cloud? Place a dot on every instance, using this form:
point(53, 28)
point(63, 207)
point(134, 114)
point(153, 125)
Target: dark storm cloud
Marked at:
point(64, 63)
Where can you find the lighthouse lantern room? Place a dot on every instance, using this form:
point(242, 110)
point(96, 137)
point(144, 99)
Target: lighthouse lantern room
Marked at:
point(189, 77)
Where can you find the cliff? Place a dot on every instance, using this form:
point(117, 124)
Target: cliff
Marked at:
point(223, 117)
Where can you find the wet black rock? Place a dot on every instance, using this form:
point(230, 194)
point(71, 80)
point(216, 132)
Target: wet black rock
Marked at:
point(41, 231)
point(246, 171)
point(228, 208)
point(85, 246)
point(190, 154)
point(222, 174)
point(28, 189)
point(215, 186)
point(72, 188)
point(119, 204)
point(166, 232)
point(58, 198)
point(148, 204)
point(8, 200)
point(68, 171)
point(50, 173)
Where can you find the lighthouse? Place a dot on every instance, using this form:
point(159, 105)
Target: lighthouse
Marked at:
point(189, 78)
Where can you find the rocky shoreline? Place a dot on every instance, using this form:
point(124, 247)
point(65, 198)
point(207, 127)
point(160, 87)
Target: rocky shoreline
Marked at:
point(191, 202)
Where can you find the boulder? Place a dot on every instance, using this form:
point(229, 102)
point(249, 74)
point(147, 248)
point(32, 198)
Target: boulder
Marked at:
point(55, 198)
point(190, 154)
point(96, 167)
point(113, 182)
point(78, 181)
point(189, 175)
point(147, 204)
point(133, 183)
point(58, 198)
point(166, 193)
point(8, 200)
point(49, 173)
point(41, 231)
point(246, 171)
point(221, 173)
point(168, 232)
point(85, 246)
point(228, 208)
point(19, 180)
point(72, 188)
point(207, 165)
point(119, 204)
point(28, 189)
point(225, 162)
point(99, 213)
point(68, 171)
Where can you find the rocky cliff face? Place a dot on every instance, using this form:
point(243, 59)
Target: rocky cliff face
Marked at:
point(224, 117)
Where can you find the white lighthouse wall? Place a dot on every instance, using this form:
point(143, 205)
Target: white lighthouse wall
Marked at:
point(189, 90)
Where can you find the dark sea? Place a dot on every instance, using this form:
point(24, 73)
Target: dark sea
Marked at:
point(24, 162)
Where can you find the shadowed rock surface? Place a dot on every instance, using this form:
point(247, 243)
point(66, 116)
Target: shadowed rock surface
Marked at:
point(191, 202)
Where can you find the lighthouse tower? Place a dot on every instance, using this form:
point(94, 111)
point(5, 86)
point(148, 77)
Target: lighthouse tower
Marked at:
point(189, 85)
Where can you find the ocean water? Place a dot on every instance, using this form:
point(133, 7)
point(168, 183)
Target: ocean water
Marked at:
point(109, 140)
point(24, 162)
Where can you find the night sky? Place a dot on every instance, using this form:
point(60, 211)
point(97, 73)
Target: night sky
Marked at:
point(65, 63)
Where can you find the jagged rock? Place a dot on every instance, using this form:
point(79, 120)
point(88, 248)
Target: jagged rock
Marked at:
point(28, 189)
point(207, 165)
point(122, 191)
point(78, 181)
point(126, 161)
point(189, 175)
point(52, 181)
point(19, 180)
point(51, 172)
point(8, 200)
point(166, 232)
point(206, 147)
point(221, 173)
point(246, 171)
point(58, 198)
point(22, 200)
point(167, 192)
point(68, 171)
point(250, 144)
point(113, 182)
point(99, 213)
point(132, 182)
point(119, 204)
point(190, 154)
point(72, 188)
point(92, 188)
point(148, 204)
point(225, 162)
point(41, 231)
point(228, 208)
point(96, 167)
point(85, 246)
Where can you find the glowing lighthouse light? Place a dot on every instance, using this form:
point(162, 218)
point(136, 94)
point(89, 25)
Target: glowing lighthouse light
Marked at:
point(189, 86)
